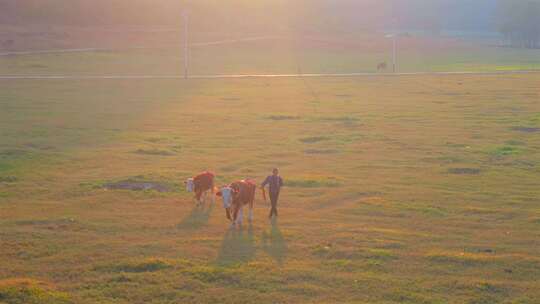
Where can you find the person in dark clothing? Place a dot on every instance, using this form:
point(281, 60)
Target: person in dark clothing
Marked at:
point(274, 182)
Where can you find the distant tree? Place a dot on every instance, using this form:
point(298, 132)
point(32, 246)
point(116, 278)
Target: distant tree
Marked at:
point(519, 22)
point(432, 25)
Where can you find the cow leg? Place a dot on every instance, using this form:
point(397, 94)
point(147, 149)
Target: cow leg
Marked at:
point(228, 214)
point(240, 216)
point(237, 215)
point(234, 215)
point(198, 196)
point(213, 192)
point(251, 203)
point(250, 212)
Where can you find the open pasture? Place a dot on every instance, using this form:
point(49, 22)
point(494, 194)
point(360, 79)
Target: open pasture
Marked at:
point(418, 189)
point(162, 53)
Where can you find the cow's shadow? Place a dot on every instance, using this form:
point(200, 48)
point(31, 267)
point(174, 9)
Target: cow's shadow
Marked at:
point(198, 217)
point(274, 243)
point(238, 246)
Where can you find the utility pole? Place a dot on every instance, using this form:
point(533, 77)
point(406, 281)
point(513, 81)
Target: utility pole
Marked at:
point(394, 53)
point(186, 45)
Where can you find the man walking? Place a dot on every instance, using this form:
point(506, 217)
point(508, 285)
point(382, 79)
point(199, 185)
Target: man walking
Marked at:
point(274, 182)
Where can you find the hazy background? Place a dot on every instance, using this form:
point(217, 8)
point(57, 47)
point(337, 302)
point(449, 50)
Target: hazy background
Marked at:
point(326, 36)
point(306, 15)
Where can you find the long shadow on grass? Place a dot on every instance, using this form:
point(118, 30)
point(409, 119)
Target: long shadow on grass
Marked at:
point(238, 246)
point(274, 243)
point(197, 218)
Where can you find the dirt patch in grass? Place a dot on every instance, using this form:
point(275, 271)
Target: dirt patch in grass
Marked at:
point(154, 139)
point(39, 146)
point(321, 151)
point(154, 152)
point(433, 211)
point(147, 265)
point(333, 251)
point(176, 148)
point(62, 224)
point(464, 171)
point(8, 179)
point(526, 129)
point(515, 143)
point(314, 139)
point(279, 117)
point(12, 153)
point(137, 185)
point(347, 119)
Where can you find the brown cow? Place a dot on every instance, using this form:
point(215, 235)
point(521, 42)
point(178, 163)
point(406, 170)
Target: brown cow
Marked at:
point(201, 184)
point(235, 196)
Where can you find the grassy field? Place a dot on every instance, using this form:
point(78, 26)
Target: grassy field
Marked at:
point(287, 54)
point(416, 189)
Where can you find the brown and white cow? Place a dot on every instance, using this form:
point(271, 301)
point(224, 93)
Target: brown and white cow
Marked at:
point(235, 196)
point(201, 184)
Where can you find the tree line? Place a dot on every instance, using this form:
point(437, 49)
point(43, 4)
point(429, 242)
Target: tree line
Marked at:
point(519, 22)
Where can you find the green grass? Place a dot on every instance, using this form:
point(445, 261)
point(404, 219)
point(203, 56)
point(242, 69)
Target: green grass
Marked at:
point(398, 190)
point(312, 183)
point(30, 292)
point(280, 56)
point(506, 151)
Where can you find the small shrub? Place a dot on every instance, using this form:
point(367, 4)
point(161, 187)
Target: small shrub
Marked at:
point(8, 179)
point(154, 152)
point(515, 143)
point(506, 151)
point(464, 171)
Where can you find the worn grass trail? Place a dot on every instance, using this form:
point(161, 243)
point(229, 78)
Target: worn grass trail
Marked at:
point(400, 190)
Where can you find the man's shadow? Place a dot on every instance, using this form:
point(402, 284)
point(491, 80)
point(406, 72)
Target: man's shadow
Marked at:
point(238, 246)
point(197, 218)
point(274, 243)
